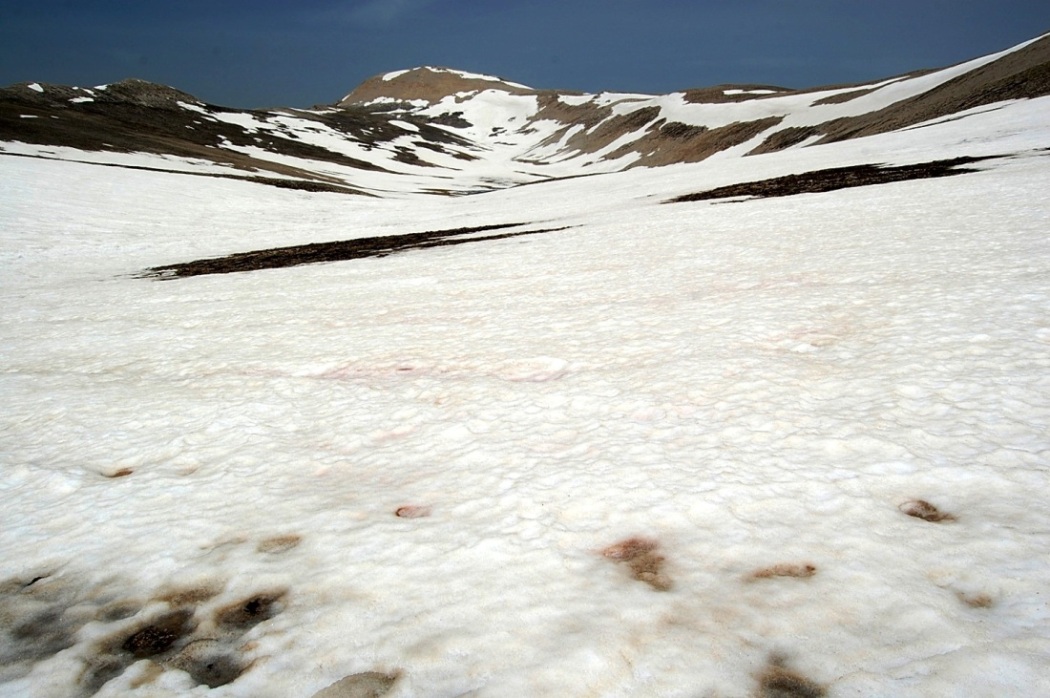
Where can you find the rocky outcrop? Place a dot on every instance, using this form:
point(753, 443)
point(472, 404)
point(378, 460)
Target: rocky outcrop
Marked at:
point(427, 84)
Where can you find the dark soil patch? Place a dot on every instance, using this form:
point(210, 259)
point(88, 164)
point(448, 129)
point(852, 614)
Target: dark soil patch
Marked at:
point(42, 614)
point(158, 636)
point(332, 251)
point(836, 178)
point(209, 664)
point(249, 612)
point(301, 185)
point(42, 634)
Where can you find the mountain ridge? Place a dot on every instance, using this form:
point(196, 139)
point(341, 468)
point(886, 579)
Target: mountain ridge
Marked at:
point(445, 131)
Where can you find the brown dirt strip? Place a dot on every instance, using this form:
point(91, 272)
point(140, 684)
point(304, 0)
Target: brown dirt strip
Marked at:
point(316, 253)
point(835, 178)
point(309, 185)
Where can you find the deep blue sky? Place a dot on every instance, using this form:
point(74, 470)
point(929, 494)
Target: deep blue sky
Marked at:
point(255, 53)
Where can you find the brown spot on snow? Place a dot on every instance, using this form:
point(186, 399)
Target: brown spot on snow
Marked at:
point(251, 611)
point(278, 544)
point(977, 600)
point(784, 569)
point(412, 511)
point(777, 681)
point(159, 635)
point(640, 557)
point(367, 684)
point(190, 595)
point(921, 509)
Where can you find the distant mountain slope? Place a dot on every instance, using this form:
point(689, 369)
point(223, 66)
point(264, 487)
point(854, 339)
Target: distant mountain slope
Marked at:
point(439, 130)
point(427, 84)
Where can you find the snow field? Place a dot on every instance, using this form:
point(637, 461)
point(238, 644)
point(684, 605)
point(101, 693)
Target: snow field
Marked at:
point(744, 390)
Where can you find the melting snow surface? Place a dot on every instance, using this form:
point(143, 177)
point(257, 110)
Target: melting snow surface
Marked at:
point(748, 92)
point(462, 73)
point(193, 107)
point(575, 100)
point(393, 74)
point(669, 451)
point(35, 87)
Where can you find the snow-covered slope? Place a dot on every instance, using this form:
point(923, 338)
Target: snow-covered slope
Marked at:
point(793, 445)
point(445, 131)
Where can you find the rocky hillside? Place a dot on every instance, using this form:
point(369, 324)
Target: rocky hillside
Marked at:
point(444, 131)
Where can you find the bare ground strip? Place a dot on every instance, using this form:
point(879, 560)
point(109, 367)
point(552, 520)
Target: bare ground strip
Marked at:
point(836, 178)
point(315, 253)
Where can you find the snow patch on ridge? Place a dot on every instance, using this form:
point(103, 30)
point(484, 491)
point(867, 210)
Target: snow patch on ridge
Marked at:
point(735, 91)
point(193, 107)
point(397, 73)
point(451, 71)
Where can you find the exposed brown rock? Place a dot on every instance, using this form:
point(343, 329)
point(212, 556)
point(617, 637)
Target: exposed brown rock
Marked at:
point(785, 138)
point(426, 83)
point(671, 143)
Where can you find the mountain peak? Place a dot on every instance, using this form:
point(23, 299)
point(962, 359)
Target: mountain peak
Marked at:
point(427, 83)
